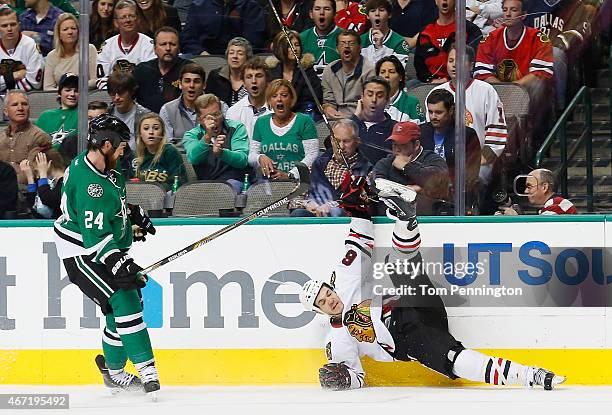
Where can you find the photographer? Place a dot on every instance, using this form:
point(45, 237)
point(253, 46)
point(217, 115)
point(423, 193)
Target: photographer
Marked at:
point(540, 190)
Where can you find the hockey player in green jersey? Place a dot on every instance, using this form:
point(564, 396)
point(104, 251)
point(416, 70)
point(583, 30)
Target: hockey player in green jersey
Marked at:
point(380, 40)
point(320, 40)
point(93, 236)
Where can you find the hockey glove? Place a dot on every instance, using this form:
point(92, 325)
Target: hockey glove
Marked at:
point(335, 376)
point(125, 271)
point(139, 217)
point(354, 196)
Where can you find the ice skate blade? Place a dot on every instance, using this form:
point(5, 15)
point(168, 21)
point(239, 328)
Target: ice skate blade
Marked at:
point(153, 396)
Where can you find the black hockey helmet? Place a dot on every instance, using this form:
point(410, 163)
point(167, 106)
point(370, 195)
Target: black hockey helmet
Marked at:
point(106, 127)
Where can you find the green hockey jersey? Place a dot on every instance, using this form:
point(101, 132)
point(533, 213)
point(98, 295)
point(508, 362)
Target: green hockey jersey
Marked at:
point(323, 48)
point(94, 212)
point(406, 107)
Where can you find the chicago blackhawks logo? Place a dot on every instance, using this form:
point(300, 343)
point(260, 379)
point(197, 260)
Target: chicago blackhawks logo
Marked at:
point(358, 321)
point(95, 190)
point(508, 71)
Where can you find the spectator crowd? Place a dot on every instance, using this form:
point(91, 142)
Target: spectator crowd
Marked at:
point(252, 118)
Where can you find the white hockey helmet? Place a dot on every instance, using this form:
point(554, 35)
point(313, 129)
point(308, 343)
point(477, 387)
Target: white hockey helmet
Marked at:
point(311, 289)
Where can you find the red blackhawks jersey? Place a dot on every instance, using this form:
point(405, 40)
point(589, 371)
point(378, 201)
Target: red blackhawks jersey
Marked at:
point(532, 54)
point(353, 17)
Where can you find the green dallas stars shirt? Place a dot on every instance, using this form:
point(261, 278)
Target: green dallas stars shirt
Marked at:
point(323, 48)
point(58, 123)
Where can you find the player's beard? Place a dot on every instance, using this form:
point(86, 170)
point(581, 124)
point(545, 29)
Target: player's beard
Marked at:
point(110, 162)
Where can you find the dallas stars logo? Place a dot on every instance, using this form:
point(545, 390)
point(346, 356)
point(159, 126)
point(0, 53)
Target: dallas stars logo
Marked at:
point(59, 136)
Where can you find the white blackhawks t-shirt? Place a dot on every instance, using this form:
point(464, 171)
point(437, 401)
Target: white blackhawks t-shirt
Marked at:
point(25, 54)
point(362, 332)
point(113, 53)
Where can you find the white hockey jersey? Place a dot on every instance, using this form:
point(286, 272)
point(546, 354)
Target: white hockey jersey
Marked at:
point(362, 331)
point(484, 112)
point(114, 53)
point(25, 54)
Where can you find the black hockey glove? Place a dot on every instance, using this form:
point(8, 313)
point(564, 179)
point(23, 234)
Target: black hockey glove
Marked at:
point(335, 376)
point(354, 196)
point(140, 218)
point(125, 271)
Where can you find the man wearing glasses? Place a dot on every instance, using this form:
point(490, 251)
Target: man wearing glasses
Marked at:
point(217, 147)
point(343, 79)
point(128, 48)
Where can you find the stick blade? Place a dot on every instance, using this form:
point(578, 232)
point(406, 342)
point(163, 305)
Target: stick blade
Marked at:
point(304, 173)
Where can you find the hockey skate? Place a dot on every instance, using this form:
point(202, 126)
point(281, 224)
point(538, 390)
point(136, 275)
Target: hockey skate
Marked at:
point(118, 382)
point(542, 377)
point(399, 198)
point(150, 379)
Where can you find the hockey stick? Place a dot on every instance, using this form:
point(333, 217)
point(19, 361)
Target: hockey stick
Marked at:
point(309, 85)
point(299, 189)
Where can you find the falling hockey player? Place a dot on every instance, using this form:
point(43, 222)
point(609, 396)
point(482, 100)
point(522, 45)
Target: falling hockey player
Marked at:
point(93, 236)
point(388, 329)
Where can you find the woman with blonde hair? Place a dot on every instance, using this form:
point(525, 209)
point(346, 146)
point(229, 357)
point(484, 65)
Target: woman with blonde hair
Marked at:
point(284, 137)
point(65, 57)
point(157, 160)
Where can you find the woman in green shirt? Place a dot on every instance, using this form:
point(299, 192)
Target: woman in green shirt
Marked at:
point(402, 106)
point(284, 137)
point(157, 160)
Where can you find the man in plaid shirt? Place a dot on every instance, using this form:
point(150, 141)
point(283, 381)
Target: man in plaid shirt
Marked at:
point(329, 170)
point(38, 22)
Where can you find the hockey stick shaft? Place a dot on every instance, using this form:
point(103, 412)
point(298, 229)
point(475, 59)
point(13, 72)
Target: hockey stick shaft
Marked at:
point(299, 189)
point(309, 85)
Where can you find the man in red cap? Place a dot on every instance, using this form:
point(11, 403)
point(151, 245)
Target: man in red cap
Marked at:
point(412, 165)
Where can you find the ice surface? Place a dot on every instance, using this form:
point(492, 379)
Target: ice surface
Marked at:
point(289, 400)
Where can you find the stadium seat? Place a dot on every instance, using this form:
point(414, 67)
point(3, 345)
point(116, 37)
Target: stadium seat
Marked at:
point(322, 133)
point(191, 174)
point(148, 195)
point(97, 95)
point(41, 101)
point(263, 194)
point(515, 99)
point(203, 198)
point(410, 71)
point(421, 92)
point(516, 107)
point(209, 62)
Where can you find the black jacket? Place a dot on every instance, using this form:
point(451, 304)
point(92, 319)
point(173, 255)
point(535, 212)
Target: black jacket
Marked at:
point(49, 197)
point(211, 24)
point(148, 77)
point(8, 189)
point(377, 134)
point(301, 18)
point(428, 170)
point(218, 83)
point(472, 151)
point(304, 97)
